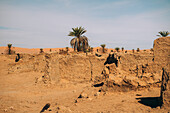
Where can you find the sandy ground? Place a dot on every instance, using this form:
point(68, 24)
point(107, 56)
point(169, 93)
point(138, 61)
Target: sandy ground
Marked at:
point(20, 94)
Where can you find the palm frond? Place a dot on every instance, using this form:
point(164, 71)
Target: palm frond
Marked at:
point(163, 33)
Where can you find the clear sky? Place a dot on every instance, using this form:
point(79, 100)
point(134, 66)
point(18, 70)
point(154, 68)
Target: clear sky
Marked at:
point(116, 23)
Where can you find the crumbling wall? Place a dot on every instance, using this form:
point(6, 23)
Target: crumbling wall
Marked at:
point(162, 51)
point(136, 63)
point(162, 58)
point(137, 70)
point(75, 67)
point(97, 65)
point(165, 87)
point(80, 67)
point(54, 67)
point(27, 63)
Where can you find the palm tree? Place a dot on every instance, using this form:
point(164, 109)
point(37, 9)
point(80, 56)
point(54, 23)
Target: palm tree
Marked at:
point(9, 48)
point(163, 33)
point(84, 43)
point(79, 40)
point(103, 46)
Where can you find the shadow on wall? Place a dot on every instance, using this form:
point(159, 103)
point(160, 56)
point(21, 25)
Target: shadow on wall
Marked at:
point(111, 59)
point(153, 102)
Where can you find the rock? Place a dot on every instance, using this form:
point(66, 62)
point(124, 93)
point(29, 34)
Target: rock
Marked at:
point(12, 108)
point(97, 94)
point(138, 95)
point(123, 100)
point(112, 68)
point(5, 110)
point(83, 95)
point(75, 101)
point(131, 80)
point(90, 98)
point(45, 107)
point(141, 83)
point(157, 78)
point(116, 79)
point(64, 109)
point(105, 71)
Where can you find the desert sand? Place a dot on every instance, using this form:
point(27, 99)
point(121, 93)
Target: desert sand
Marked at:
point(96, 82)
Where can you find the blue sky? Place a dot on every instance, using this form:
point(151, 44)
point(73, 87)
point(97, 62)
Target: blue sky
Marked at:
point(116, 23)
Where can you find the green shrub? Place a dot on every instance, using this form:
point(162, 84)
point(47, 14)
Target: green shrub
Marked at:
point(133, 50)
point(41, 50)
point(122, 48)
point(117, 49)
point(67, 49)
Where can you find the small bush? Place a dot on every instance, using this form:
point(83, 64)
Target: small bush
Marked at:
point(138, 50)
point(67, 49)
point(117, 49)
point(133, 50)
point(122, 48)
point(91, 49)
point(41, 50)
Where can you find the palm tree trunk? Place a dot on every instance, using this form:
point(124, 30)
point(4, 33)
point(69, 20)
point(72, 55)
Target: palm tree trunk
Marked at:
point(84, 45)
point(9, 51)
point(78, 44)
point(74, 47)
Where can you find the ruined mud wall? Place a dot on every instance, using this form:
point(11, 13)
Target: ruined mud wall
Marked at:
point(162, 58)
point(165, 87)
point(136, 63)
point(140, 66)
point(162, 51)
point(55, 67)
point(80, 67)
point(27, 63)
point(75, 68)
